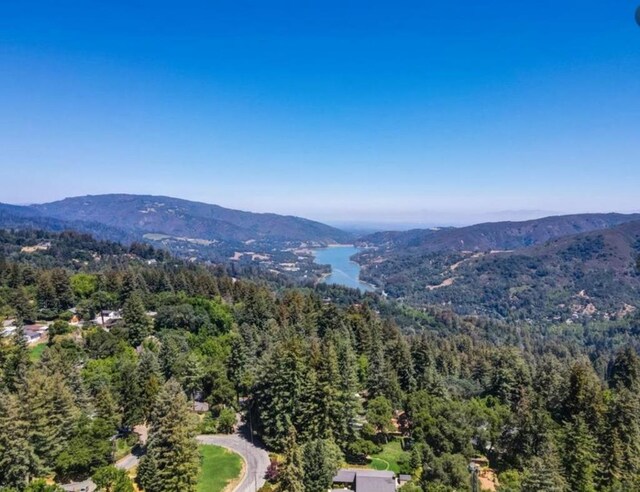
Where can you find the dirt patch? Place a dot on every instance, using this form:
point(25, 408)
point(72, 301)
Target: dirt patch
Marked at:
point(445, 283)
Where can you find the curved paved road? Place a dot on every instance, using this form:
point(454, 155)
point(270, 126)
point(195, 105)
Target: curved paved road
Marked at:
point(256, 459)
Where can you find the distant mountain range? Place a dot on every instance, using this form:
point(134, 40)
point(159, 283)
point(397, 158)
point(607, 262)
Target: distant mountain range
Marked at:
point(494, 235)
point(134, 216)
point(557, 268)
point(560, 268)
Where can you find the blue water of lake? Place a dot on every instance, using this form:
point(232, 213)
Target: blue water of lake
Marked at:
point(343, 270)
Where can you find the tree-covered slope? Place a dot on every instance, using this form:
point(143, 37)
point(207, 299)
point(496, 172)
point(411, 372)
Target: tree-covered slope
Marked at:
point(322, 376)
point(493, 235)
point(143, 214)
point(592, 274)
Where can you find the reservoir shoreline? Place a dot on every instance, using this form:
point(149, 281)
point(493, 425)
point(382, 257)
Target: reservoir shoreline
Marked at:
point(344, 271)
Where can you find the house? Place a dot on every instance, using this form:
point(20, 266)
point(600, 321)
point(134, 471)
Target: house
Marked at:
point(85, 486)
point(33, 333)
point(8, 327)
point(107, 319)
point(362, 480)
point(403, 479)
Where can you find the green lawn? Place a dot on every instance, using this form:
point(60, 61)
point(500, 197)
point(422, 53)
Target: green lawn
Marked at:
point(388, 459)
point(219, 467)
point(35, 352)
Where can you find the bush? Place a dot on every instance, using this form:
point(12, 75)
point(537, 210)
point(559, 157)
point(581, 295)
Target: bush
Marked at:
point(227, 421)
point(209, 425)
point(66, 316)
point(358, 451)
point(59, 327)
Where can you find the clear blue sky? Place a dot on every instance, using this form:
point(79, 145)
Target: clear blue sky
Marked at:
point(385, 111)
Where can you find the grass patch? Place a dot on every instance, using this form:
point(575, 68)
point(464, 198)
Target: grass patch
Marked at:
point(390, 458)
point(35, 352)
point(219, 467)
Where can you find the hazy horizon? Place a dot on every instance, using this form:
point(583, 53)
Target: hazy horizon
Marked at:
point(424, 113)
point(385, 221)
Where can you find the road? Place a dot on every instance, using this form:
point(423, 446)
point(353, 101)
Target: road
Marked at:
point(128, 462)
point(256, 462)
point(255, 458)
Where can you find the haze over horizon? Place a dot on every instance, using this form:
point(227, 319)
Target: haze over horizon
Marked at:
point(429, 113)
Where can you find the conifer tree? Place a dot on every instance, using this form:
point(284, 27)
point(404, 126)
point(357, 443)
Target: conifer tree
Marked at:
point(542, 474)
point(23, 307)
point(51, 414)
point(62, 288)
point(107, 408)
point(138, 324)
point(321, 460)
point(18, 462)
point(129, 392)
point(625, 370)
point(17, 360)
point(622, 439)
point(325, 412)
point(45, 293)
point(579, 455)
point(344, 427)
point(172, 451)
point(281, 391)
point(149, 381)
point(292, 477)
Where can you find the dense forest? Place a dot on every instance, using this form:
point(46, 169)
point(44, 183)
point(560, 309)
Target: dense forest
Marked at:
point(324, 376)
point(592, 275)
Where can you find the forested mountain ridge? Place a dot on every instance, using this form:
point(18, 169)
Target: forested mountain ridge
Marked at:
point(24, 217)
point(591, 274)
point(193, 230)
point(329, 376)
point(493, 235)
point(183, 218)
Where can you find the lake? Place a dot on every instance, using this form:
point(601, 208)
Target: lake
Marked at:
point(343, 270)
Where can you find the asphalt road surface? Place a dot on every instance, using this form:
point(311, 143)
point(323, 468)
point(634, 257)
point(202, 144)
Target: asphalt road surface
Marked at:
point(256, 458)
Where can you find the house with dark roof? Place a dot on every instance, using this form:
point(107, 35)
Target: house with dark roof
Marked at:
point(361, 480)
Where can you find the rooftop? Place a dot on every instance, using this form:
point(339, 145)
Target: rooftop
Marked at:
point(367, 480)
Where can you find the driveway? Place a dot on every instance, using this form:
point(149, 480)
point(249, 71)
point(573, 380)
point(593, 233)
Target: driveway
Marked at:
point(256, 458)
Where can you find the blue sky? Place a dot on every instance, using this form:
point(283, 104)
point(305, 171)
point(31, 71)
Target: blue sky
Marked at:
point(421, 112)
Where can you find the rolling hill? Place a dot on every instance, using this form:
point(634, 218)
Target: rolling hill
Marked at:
point(144, 214)
point(511, 271)
point(494, 235)
point(266, 242)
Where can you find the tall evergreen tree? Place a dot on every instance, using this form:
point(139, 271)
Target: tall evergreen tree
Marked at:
point(128, 390)
point(149, 381)
point(172, 451)
point(321, 460)
point(292, 477)
point(138, 324)
point(625, 370)
point(344, 427)
point(18, 461)
point(281, 391)
point(542, 474)
point(621, 446)
point(579, 455)
point(17, 360)
point(23, 307)
point(45, 293)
